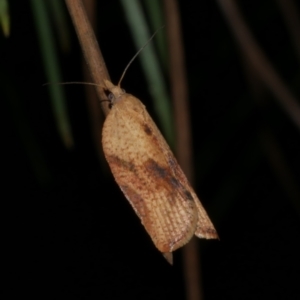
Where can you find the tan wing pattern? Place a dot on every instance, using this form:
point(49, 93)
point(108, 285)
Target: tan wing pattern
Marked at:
point(149, 175)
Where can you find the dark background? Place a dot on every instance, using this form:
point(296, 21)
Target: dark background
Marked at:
point(73, 233)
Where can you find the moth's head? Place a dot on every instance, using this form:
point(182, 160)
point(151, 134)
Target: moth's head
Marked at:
point(114, 92)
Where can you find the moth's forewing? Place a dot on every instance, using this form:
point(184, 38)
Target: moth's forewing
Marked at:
point(204, 227)
point(138, 159)
point(149, 175)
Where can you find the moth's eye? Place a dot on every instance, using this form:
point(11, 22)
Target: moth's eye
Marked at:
point(123, 91)
point(111, 96)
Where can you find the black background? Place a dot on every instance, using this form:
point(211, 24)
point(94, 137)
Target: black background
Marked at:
point(76, 236)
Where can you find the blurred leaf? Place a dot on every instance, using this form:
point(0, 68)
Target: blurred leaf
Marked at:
point(4, 17)
point(59, 17)
point(52, 69)
point(156, 17)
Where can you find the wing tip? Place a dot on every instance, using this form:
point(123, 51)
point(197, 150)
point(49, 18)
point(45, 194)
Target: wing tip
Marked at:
point(207, 233)
point(169, 257)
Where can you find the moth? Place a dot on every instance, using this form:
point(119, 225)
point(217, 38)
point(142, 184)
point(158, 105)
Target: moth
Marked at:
point(147, 172)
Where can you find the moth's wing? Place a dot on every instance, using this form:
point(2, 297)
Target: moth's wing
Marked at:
point(141, 162)
point(204, 228)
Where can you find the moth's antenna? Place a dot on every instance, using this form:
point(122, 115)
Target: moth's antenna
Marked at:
point(72, 82)
point(134, 57)
point(76, 82)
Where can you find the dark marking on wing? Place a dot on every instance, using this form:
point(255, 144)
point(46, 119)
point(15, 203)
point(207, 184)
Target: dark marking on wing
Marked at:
point(121, 163)
point(147, 129)
point(157, 170)
point(189, 195)
point(166, 178)
point(172, 162)
point(175, 182)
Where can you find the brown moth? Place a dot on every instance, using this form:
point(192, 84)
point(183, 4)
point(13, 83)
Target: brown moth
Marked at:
point(149, 176)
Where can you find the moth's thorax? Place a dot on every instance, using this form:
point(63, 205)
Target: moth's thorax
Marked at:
point(121, 101)
point(115, 90)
